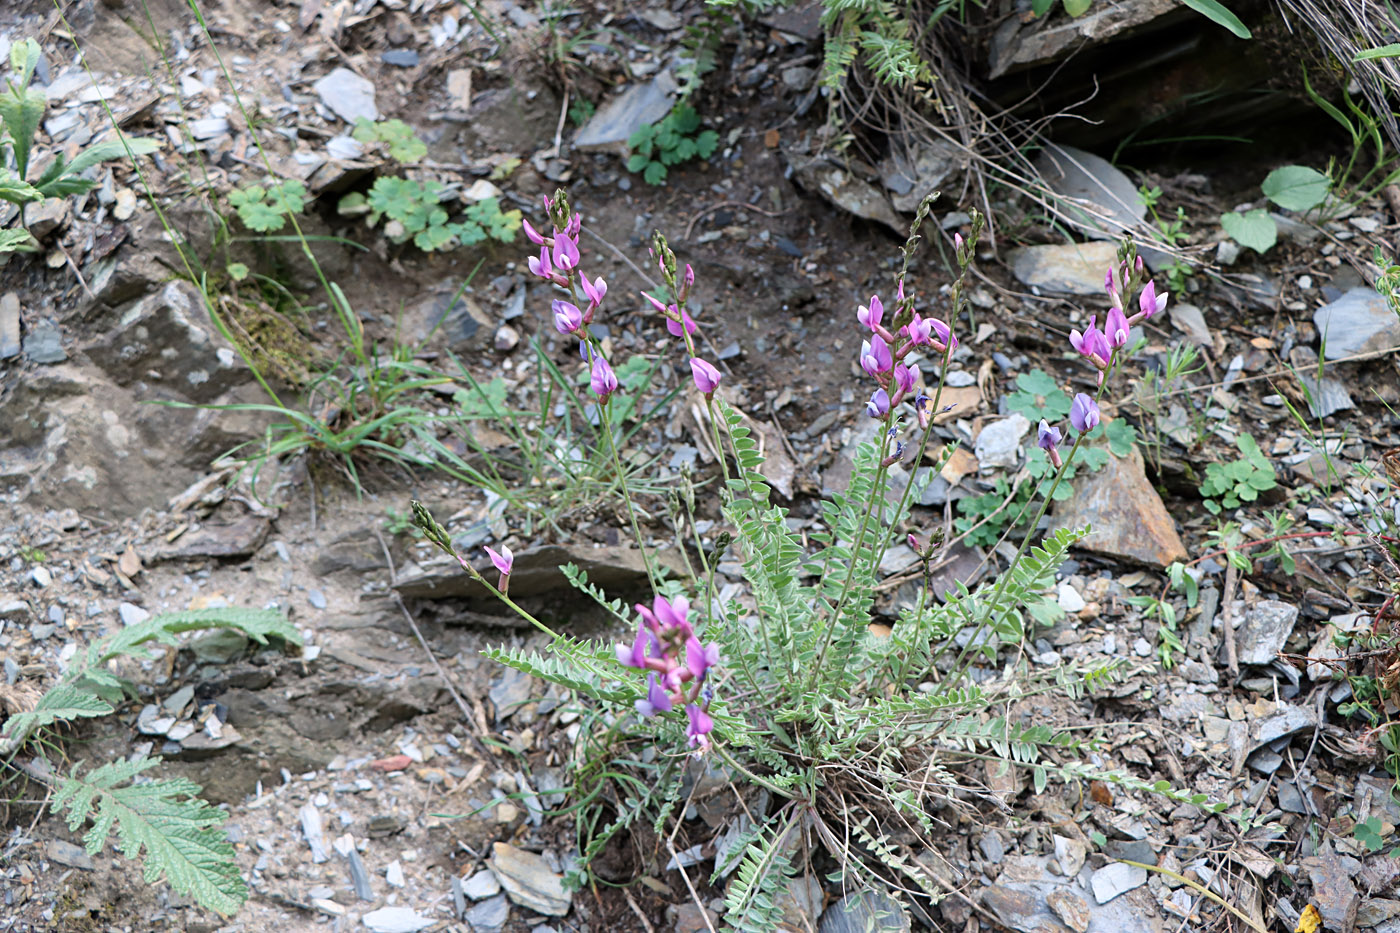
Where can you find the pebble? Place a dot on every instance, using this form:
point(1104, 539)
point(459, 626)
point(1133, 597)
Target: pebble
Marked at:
point(132, 614)
point(347, 95)
point(44, 343)
point(1142, 648)
point(1357, 322)
point(393, 874)
point(529, 881)
point(490, 915)
point(396, 920)
point(41, 576)
point(316, 598)
point(481, 885)
point(9, 326)
point(999, 444)
point(14, 610)
point(507, 338)
point(1115, 879)
point(126, 204)
point(1069, 598)
point(400, 58)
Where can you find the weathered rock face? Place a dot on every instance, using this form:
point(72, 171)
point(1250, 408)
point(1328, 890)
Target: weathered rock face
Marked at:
point(1127, 516)
point(167, 341)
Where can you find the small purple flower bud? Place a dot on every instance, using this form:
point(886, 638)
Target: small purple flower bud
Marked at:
point(879, 404)
point(1049, 441)
point(1116, 327)
point(689, 278)
point(567, 317)
point(574, 227)
point(585, 351)
point(958, 243)
point(565, 255)
point(914, 544)
point(594, 291)
point(1084, 413)
point(1150, 302)
point(657, 699)
point(923, 410)
point(603, 380)
point(871, 315)
point(1139, 266)
point(875, 356)
point(701, 725)
point(706, 376)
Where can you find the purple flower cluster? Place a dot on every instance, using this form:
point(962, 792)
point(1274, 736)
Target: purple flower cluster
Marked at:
point(679, 323)
point(677, 664)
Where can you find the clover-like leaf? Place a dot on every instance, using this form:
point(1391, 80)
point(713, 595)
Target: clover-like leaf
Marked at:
point(655, 173)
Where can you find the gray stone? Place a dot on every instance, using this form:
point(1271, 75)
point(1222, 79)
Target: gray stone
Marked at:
point(528, 880)
point(854, 195)
point(359, 877)
point(46, 216)
point(536, 571)
point(993, 850)
point(219, 646)
point(615, 121)
point(490, 915)
point(1290, 799)
point(311, 828)
point(393, 874)
point(14, 610)
point(1115, 879)
point(1334, 892)
point(1017, 45)
point(177, 701)
point(1357, 322)
point(396, 920)
point(864, 912)
point(316, 598)
point(347, 95)
point(1070, 854)
point(1072, 268)
point(1287, 721)
point(999, 443)
point(132, 614)
point(1188, 319)
point(481, 885)
point(44, 343)
point(911, 179)
point(9, 326)
point(400, 58)
point(1265, 629)
point(65, 853)
point(1096, 198)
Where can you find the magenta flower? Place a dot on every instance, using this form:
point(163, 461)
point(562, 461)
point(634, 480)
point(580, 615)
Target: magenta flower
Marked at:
point(674, 327)
point(594, 291)
point(1149, 302)
point(919, 330)
point(1048, 439)
point(1116, 327)
point(872, 315)
point(905, 378)
point(945, 333)
point(567, 317)
point(565, 254)
point(1092, 343)
point(657, 699)
point(875, 356)
point(541, 267)
point(1113, 297)
point(686, 281)
point(700, 658)
point(706, 376)
point(879, 404)
point(503, 561)
point(1084, 413)
point(673, 613)
point(701, 725)
point(603, 380)
point(531, 233)
point(636, 656)
point(958, 243)
point(574, 226)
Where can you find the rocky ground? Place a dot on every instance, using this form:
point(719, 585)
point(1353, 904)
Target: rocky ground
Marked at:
point(387, 777)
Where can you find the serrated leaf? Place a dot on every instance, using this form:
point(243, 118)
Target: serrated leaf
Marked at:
point(258, 624)
point(21, 112)
point(181, 835)
point(706, 143)
point(61, 704)
point(1296, 187)
point(1255, 229)
point(655, 173)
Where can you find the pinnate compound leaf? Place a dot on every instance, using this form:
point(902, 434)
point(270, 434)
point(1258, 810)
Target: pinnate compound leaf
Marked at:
point(1296, 187)
point(63, 703)
point(181, 834)
point(1255, 229)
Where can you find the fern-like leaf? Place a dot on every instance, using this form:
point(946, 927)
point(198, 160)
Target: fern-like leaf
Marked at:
point(180, 833)
point(61, 704)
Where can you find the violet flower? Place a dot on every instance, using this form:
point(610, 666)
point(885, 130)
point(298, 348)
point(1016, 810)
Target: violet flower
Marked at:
point(1116, 327)
point(873, 314)
point(905, 377)
point(636, 656)
point(879, 404)
point(700, 658)
point(594, 291)
point(503, 561)
point(567, 317)
point(875, 356)
point(1084, 413)
point(707, 378)
point(673, 326)
point(673, 613)
point(1149, 302)
point(919, 330)
point(701, 725)
point(657, 699)
point(602, 380)
point(1048, 439)
point(531, 233)
point(541, 267)
point(945, 334)
point(565, 254)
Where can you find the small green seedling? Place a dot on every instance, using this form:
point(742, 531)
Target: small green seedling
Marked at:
point(265, 208)
point(403, 144)
point(670, 142)
point(1227, 485)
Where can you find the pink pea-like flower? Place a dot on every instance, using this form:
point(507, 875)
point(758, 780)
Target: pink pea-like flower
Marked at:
point(594, 291)
point(574, 226)
point(945, 334)
point(636, 655)
point(657, 699)
point(541, 266)
point(567, 317)
point(700, 658)
point(1116, 327)
point(503, 561)
point(707, 378)
point(565, 254)
point(602, 379)
point(875, 356)
point(1149, 302)
point(905, 377)
point(871, 315)
point(673, 327)
point(919, 330)
point(533, 235)
point(1048, 439)
point(701, 725)
point(1084, 413)
point(879, 404)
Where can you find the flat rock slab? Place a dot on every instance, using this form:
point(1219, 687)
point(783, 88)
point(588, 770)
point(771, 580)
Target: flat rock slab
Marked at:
point(1358, 322)
point(9, 326)
point(1116, 878)
point(1334, 892)
point(614, 123)
point(1127, 517)
point(396, 920)
point(1064, 269)
point(1098, 199)
point(528, 881)
point(852, 194)
point(536, 571)
point(999, 443)
point(227, 539)
point(1264, 631)
point(347, 95)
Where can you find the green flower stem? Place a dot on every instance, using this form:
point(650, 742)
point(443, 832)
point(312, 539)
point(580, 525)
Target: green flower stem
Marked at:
point(761, 782)
point(627, 496)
